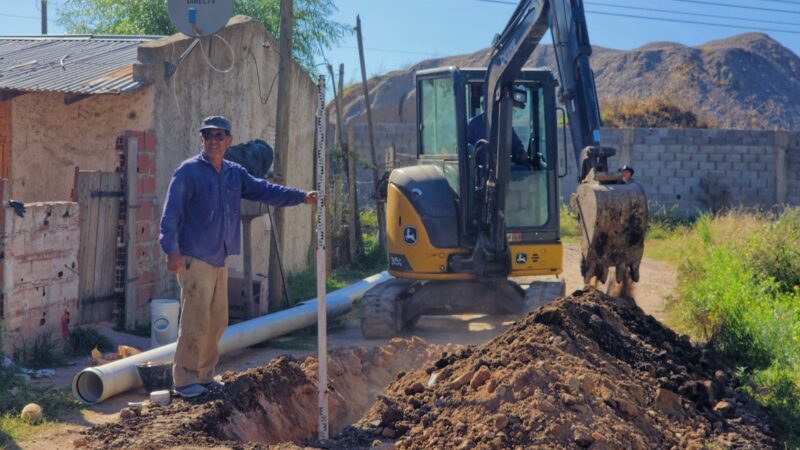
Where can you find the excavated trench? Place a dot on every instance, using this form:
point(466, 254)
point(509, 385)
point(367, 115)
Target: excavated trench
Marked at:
point(269, 405)
point(588, 371)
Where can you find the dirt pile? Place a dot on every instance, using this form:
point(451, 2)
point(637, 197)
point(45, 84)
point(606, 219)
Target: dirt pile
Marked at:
point(268, 405)
point(588, 371)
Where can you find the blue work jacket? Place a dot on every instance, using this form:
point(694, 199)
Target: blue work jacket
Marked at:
point(201, 215)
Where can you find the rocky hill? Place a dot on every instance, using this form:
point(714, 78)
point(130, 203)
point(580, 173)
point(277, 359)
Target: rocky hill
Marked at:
point(745, 81)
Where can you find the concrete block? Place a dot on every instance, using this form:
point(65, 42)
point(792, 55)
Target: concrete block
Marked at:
point(716, 157)
point(647, 155)
point(672, 165)
point(666, 173)
point(749, 158)
point(700, 156)
point(707, 166)
point(733, 158)
point(648, 172)
point(689, 165)
point(727, 167)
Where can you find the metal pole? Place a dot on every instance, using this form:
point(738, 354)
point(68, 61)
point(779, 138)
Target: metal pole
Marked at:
point(44, 16)
point(322, 325)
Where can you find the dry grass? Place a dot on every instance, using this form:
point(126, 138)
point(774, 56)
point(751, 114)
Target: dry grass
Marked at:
point(658, 111)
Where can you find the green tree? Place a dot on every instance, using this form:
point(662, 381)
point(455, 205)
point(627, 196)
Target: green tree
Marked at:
point(313, 31)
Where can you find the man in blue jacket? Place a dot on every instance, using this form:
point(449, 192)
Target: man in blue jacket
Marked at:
point(200, 227)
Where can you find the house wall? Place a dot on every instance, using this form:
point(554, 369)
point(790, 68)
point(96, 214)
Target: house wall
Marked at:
point(49, 139)
point(243, 95)
point(38, 265)
point(683, 171)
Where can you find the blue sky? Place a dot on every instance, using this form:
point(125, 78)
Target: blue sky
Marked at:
point(400, 33)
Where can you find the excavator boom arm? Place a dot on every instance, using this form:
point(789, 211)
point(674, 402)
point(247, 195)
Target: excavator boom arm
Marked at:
point(612, 215)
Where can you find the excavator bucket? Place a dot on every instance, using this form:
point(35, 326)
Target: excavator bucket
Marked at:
point(612, 220)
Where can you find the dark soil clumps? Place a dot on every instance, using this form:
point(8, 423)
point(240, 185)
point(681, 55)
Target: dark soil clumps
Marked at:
point(588, 371)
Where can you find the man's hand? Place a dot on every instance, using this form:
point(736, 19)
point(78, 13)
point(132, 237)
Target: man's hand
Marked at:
point(175, 262)
point(311, 197)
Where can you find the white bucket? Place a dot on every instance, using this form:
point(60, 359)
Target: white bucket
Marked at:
point(164, 315)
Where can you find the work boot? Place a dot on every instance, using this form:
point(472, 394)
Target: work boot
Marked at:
point(191, 390)
point(214, 384)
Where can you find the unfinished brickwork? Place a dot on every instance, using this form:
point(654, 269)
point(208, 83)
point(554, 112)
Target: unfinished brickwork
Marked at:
point(683, 171)
point(39, 271)
point(146, 217)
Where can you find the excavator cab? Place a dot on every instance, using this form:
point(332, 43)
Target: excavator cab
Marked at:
point(434, 208)
point(451, 120)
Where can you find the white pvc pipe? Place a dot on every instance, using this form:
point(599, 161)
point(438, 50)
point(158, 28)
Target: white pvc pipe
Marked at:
point(95, 384)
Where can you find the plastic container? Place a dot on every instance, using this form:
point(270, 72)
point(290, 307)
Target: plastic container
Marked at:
point(155, 377)
point(164, 314)
point(160, 398)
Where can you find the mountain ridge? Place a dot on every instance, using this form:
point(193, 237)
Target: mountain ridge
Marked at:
point(746, 81)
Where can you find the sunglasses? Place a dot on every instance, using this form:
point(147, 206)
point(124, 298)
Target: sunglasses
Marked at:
point(209, 136)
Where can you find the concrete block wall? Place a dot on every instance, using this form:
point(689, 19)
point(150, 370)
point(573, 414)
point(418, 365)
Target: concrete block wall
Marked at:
point(789, 192)
point(39, 262)
point(683, 171)
point(400, 136)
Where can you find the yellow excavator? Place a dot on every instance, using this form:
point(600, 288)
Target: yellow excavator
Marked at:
point(482, 204)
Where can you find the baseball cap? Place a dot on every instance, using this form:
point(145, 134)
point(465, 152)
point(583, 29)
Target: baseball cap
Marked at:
point(216, 122)
point(628, 168)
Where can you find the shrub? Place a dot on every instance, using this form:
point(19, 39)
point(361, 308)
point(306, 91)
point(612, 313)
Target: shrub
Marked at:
point(82, 340)
point(738, 289)
point(654, 112)
point(43, 352)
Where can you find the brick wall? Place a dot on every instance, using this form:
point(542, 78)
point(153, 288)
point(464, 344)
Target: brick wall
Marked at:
point(682, 170)
point(146, 217)
point(39, 260)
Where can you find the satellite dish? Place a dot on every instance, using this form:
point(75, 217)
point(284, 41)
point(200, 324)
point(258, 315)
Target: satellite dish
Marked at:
point(199, 18)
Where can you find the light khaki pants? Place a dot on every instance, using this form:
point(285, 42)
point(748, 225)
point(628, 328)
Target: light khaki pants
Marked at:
point(204, 317)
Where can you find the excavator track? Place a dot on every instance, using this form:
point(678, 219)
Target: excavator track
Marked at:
point(382, 309)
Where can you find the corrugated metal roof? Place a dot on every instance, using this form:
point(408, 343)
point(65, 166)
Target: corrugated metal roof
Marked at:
point(76, 64)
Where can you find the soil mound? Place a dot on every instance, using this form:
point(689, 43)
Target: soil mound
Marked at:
point(588, 371)
point(268, 405)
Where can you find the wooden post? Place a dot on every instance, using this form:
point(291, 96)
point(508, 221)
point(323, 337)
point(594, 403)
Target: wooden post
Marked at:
point(281, 140)
point(344, 160)
point(373, 157)
point(355, 221)
point(131, 162)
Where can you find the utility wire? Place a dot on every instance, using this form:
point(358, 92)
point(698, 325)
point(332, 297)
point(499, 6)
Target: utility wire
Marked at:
point(728, 5)
point(385, 50)
point(693, 22)
point(17, 16)
point(687, 13)
point(782, 1)
point(664, 19)
point(699, 2)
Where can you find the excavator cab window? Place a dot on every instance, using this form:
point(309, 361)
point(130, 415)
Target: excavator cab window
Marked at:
point(527, 194)
point(438, 126)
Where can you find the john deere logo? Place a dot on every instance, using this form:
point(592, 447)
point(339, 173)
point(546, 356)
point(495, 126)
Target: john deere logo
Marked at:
point(522, 258)
point(410, 235)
